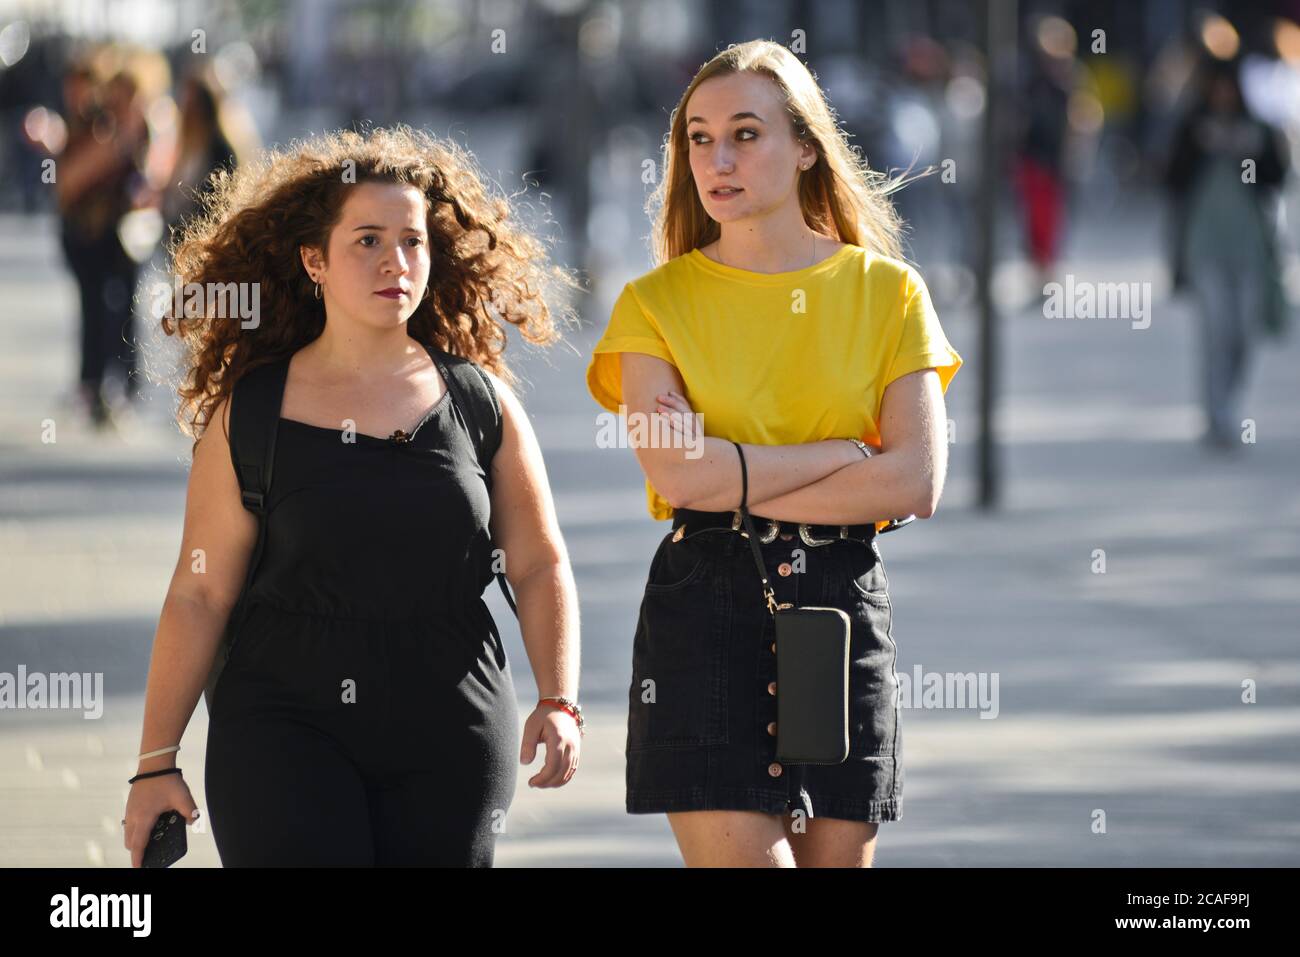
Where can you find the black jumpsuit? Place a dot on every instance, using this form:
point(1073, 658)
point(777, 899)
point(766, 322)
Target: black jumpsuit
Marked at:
point(366, 715)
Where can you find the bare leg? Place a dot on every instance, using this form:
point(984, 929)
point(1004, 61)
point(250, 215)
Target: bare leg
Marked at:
point(731, 839)
point(832, 842)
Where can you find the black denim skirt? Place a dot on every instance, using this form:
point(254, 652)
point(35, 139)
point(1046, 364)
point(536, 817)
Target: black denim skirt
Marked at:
point(701, 709)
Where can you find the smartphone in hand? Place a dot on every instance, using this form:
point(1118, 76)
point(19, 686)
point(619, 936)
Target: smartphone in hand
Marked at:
point(166, 841)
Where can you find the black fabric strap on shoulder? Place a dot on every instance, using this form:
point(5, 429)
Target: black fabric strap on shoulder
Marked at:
point(476, 398)
point(255, 403)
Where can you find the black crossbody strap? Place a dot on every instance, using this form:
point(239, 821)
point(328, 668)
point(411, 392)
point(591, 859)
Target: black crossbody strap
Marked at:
point(472, 390)
point(768, 593)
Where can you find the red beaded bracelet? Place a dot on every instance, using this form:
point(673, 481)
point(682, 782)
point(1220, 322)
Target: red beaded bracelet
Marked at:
point(573, 709)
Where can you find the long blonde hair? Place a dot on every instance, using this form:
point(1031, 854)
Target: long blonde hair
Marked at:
point(841, 196)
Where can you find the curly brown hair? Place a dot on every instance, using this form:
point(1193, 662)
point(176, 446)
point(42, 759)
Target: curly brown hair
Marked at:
point(487, 270)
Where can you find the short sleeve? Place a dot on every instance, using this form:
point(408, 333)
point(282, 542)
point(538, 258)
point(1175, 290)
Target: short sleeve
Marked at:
point(921, 343)
point(630, 329)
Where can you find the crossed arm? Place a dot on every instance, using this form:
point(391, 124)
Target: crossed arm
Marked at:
point(827, 482)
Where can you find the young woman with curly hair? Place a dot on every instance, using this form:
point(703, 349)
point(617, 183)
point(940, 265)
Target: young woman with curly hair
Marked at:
point(782, 314)
point(366, 714)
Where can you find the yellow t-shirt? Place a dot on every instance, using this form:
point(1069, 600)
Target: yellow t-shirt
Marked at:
point(782, 358)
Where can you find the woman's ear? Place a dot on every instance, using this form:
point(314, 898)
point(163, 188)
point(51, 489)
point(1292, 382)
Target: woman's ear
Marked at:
point(311, 260)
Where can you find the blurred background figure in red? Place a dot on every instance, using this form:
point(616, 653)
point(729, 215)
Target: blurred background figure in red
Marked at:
point(1041, 144)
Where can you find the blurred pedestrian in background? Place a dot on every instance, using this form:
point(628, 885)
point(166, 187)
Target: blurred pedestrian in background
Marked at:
point(215, 132)
point(104, 173)
point(1224, 169)
point(1040, 153)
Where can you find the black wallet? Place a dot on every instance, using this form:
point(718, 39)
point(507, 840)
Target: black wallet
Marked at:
point(812, 685)
point(812, 668)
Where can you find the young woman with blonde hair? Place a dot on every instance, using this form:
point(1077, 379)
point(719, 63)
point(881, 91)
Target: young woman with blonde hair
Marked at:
point(365, 714)
point(782, 315)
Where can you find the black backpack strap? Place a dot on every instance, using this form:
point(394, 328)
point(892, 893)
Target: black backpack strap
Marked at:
point(255, 403)
point(481, 407)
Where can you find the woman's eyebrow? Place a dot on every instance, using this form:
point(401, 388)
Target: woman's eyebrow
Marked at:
point(734, 117)
point(405, 229)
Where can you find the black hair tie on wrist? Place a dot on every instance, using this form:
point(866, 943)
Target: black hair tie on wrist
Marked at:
point(153, 774)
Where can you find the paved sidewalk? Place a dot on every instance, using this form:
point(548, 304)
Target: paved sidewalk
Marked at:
point(1118, 693)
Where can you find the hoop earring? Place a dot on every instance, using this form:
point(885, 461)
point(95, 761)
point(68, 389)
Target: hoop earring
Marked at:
point(426, 293)
point(317, 290)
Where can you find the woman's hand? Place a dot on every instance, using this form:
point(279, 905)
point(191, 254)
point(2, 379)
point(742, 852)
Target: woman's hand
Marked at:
point(559, 731)
point(681, 417)
point(149, 797)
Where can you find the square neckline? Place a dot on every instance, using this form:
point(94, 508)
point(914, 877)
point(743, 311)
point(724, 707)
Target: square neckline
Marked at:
point(389, 439)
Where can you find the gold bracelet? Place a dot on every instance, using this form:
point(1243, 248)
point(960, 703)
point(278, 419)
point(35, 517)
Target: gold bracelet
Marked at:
point(865, 449)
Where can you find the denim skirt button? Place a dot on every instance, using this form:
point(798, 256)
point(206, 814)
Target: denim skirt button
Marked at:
point(771, 728)
point(774, 769)
point(784, 570)
point(771, 687)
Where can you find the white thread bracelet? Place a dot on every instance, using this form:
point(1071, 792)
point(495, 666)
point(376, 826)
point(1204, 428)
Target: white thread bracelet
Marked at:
point(154, 754)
